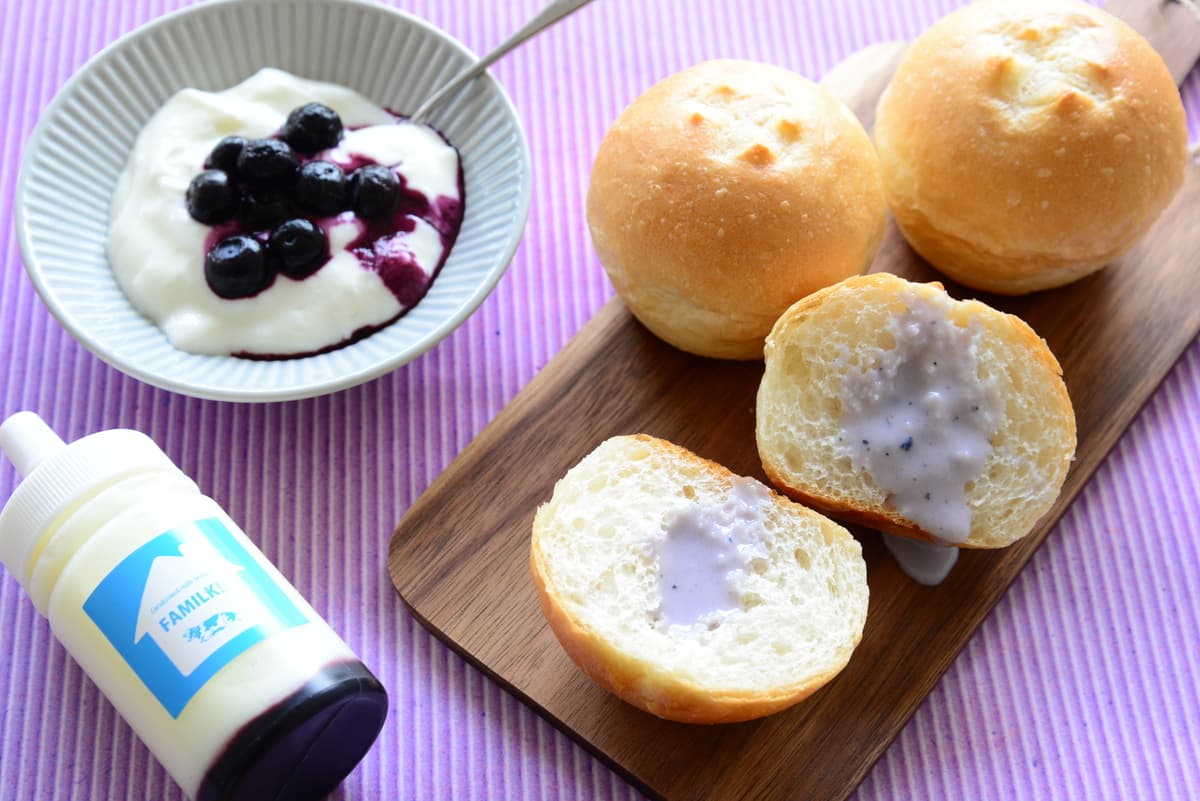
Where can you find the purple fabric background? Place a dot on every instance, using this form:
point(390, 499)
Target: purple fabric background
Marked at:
point(1081, 684)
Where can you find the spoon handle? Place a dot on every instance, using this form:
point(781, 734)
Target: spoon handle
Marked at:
point(549, 15)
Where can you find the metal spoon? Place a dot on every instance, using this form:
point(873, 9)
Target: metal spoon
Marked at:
point(547, 17)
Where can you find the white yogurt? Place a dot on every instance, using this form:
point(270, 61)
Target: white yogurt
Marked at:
point(920, 419)
point(157, 250)
point(704, 553)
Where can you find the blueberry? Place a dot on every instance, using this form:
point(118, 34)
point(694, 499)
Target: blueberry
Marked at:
point(211, 197)
point(299, 248)
point(312, 127)
point(262, 211)
point(321, 188)
point(236, 267)
point(224, 155)
point(374, 191)
point(265, 163)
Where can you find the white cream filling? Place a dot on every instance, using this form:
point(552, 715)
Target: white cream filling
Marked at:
point(703, 555)
point(919, 420)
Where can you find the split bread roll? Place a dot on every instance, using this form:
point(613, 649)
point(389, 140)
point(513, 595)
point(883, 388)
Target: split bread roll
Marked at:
point(887, 403)
point(692, 593)
point(725, 193)
point(1027, 143)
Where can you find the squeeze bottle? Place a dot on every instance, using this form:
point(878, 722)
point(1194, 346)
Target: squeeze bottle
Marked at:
point(224, 671)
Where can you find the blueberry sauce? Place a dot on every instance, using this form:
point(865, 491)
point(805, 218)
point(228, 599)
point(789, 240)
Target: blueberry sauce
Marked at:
point(376, 249)
point(380, 245)
point(444, 214)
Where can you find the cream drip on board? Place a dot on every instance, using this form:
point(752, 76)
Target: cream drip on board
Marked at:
point(924, 562)
point(157, 250)
point(919, 419)
point(704, 552)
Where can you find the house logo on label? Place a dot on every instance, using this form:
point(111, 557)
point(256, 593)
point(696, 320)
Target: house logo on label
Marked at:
point(194, 603)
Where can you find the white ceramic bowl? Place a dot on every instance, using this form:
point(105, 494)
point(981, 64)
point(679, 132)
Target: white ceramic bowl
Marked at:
point(83, 139)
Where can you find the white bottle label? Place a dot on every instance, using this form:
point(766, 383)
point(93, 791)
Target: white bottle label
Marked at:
point(184, 605)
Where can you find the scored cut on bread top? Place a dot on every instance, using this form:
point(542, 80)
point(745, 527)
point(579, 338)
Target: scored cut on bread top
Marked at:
point(690, 592)
point(726, 192)
point(887, 403)
point(1027, 143)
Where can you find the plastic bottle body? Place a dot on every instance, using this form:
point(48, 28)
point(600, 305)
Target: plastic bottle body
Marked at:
point(224, 671)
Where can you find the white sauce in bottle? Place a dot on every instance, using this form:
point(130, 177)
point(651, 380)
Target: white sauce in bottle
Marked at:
point(919, 419)
point(704, 553)
point(225, 672)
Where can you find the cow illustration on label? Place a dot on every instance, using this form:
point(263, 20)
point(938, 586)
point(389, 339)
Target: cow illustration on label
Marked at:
point(194, 603)
point(211, 627)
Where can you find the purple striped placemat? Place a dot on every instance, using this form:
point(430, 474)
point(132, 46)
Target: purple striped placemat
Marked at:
point(1081, 685)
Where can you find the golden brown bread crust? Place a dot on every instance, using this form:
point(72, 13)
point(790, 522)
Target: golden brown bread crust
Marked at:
point(848, 506)
point(635, 680)
point(1027, 143)
point(726, 192)
point(670, 699)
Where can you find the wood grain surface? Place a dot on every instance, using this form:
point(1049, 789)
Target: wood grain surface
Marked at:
point(459, 558)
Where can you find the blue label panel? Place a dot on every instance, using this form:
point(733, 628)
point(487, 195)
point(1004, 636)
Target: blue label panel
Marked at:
point(184, 605)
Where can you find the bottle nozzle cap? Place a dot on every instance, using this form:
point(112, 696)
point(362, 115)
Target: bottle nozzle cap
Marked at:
point(57, 478)
point(27, 441)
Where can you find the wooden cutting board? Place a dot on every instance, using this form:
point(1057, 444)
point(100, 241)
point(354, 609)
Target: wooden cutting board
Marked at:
point(459, 558)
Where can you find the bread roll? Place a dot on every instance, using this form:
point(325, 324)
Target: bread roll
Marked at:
point(887, 403)
point(725, 193)
point(694, 594)
point(1027, 143)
